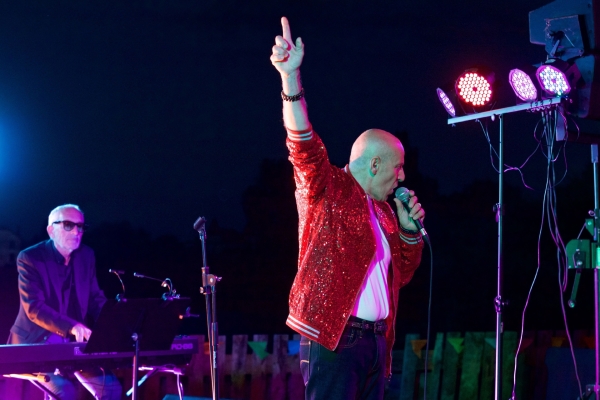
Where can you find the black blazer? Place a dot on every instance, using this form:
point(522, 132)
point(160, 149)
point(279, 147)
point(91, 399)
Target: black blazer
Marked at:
point(42, 312)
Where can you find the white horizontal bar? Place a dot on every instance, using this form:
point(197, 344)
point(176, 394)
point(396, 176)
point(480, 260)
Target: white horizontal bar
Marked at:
point(507, 110)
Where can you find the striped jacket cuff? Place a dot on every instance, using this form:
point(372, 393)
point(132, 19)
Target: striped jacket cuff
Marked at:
point(410, 238)
point(300, 136)
point(302, 328)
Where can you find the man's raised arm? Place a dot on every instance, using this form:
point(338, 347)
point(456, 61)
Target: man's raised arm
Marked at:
point(287, 58)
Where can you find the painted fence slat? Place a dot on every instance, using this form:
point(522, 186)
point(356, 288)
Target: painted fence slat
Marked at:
point(409, 369)
point(295, 380)
point(239, 350)
point(199, 368)
point(488, 366)
point(279, 367)
point(471, 366)
point(509, 348)
point(452, 356)
point(433, 378)
point(258, 370)
point(544, 340)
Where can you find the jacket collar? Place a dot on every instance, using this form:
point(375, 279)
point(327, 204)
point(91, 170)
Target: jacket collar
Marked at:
point(367, 195)
point(57, 257)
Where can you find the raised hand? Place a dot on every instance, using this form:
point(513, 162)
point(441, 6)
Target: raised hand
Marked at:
point(287, 56)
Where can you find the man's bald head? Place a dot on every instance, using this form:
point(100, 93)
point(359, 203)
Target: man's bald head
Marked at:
point(374, 143)
point(376, 161)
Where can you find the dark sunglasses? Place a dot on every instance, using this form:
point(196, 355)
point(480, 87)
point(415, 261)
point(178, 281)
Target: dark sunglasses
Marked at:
point(69, 225)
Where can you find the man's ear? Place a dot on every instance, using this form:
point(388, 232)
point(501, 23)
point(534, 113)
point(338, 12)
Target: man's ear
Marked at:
point(50, 230)
point(374, 166)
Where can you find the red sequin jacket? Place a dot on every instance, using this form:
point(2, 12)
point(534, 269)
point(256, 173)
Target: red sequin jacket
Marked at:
point(337, 244)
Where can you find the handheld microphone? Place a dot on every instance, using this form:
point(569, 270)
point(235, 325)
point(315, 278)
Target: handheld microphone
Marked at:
point(403, 195)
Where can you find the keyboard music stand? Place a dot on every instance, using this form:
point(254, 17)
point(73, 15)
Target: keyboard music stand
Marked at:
point(136, 325)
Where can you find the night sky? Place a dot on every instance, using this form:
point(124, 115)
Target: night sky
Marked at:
point(156, 112)
point(149, 114)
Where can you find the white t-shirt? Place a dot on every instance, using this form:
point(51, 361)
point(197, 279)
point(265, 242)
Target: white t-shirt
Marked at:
point(372, 303)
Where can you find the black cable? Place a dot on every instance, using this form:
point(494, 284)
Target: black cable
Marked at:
point(428, 320)
point(549, 214)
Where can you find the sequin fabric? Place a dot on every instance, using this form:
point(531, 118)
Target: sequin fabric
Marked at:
point(337, 243)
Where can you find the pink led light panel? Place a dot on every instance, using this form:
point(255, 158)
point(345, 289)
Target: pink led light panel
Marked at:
point(446, 102)
point(522, 85)
point(474, 88)
point(553, 80)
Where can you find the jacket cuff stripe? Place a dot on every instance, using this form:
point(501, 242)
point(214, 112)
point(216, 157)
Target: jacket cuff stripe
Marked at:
point(410, 239)
point(299, 137)
point(300, 326)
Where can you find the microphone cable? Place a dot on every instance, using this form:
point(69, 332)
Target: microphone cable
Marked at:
point(428, 319)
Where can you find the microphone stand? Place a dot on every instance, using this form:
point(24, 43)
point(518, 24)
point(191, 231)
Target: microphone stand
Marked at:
point(208, 289)
point(596, 386)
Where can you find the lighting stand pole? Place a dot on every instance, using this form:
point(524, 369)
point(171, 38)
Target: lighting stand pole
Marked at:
point(596, 271)
point(499, 301)
point(208, 289)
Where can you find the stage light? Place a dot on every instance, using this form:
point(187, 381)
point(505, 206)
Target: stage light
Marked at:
point(552, 80)
point(474, 87)
point(567, 29)
point(522, 85)
point(446, 102)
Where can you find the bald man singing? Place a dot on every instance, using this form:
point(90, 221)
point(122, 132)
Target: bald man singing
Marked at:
point(355, 253)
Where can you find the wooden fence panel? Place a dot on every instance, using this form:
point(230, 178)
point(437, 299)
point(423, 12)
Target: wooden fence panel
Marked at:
point(509, 349)
point(239, 350)
point(258, 371)
point(452, 357)
point(433, 377)
point(409, 369)
point(197, 370)
point(295, 380)
point(544, 340)
point(279, 367)
point(460, 368)
point(523, 370)
point(488, 367)
point(471, 366)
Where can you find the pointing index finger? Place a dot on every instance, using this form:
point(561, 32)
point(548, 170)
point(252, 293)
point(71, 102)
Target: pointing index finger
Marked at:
point(287, 34)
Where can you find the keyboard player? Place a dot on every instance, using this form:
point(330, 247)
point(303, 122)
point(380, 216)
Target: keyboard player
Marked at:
point(59, 292)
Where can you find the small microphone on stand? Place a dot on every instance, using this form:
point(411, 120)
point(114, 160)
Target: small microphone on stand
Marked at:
point(167, 283)
point(200, 227)
point(199, 224)
point(118, 273)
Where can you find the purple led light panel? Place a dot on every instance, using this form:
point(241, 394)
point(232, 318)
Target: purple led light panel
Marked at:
point(474, 88)
point(522, 85)
point(446, 102)
point(552, 80)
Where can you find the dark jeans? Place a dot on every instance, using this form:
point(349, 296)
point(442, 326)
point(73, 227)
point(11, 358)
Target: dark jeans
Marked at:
point(104, 385)
point(354, 370)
